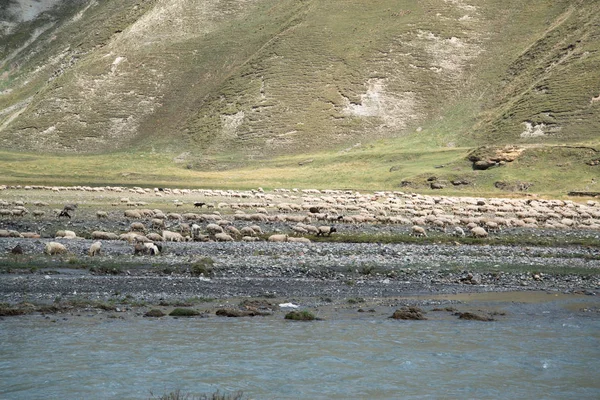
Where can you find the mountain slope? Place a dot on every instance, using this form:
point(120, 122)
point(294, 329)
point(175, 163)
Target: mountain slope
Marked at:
point(228, 83)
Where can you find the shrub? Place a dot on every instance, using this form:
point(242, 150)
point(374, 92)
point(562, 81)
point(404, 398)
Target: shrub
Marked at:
point(203, 267)
point(300, 316)
point(184, 312)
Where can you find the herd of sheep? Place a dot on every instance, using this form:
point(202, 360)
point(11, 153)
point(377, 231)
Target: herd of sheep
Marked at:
point(228, 215)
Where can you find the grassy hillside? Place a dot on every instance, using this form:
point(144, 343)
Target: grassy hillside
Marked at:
point(371, 95)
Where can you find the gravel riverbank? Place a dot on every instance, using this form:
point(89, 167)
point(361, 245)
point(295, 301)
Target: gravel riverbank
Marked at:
point(316, 272)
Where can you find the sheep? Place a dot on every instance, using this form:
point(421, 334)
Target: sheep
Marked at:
point(66, 234)
point(458, 231)
point(155, 237)
point(104, 235)
point(4, 233)
point(141, 239)
point(278, 238)
point(418, 231)
point(233, 230)
point(311, 229)
point(152, 249)
point(250, 239)
point(132, 214)
point(174, 216)
point(38, 213)
point(30, 235)
point(69, 207)
point(214, 229)
point(184, 228)
point(479, 232)
point(5, 213)
point(129, 236)
point(101, 215)
point(299, 230)
point(326, 230)
point(257, 229)
point(247, 231)
point(53, 248)
point(223, 237)
point(19, 212)
point(199, 204)
point(137, 226)
point(95, 249)
point(158, 223)
point(169, 236)
point(17, 250)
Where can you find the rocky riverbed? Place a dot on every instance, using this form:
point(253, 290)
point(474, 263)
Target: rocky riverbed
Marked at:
point(315, 273)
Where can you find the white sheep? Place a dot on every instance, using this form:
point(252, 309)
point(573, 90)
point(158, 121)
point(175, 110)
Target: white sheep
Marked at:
point(101, 215)
point(137, 226)
point(158, 223)
point(95, 249)
point(223, 237)
point(418, 231)
point(155, 237)
point(247, 231)
point(133, 214)
point(479, 232)
point(278, 238)
point(104, 235)
point(30, 235)
point(169, 236)
point(214, 229)
point(53, 248)
point(458, 231)
point(152, 249)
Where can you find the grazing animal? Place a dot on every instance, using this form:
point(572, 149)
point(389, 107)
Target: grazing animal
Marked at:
point(199, 204)
point(64, 213)
point(326, 230)
point(69, 207)
point(223, 237)
point(479, 232)
point(278, 238)
point(101, 214)
point(17, 250)
point(53, 248)
point(419, 231)
point(95, 249)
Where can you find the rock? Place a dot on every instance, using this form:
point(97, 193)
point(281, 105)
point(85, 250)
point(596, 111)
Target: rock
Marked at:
point(155, 313)
point(232, 313)
point(473, 317)
point(483, 164)
point(408, 313)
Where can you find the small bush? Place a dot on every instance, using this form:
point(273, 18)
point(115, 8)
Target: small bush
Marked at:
point(184, 312)
point(300, 316)
point(203, 267)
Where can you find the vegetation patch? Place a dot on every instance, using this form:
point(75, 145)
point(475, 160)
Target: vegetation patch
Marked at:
point(304, 315)
point(203, 267)
point(184, 312)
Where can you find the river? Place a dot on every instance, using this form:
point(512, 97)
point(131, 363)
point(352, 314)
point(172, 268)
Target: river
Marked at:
point(544, 351)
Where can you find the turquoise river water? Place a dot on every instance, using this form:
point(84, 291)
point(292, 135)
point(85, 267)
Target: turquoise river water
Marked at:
point(536, 352)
